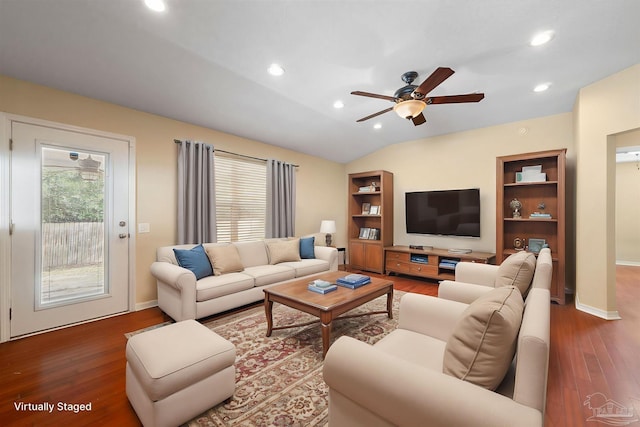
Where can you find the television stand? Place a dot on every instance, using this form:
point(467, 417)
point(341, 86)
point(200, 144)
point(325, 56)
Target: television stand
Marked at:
point(432, 263)
point(459, 251)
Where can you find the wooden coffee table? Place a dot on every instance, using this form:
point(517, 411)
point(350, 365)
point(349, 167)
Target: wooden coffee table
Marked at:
point(327, 307)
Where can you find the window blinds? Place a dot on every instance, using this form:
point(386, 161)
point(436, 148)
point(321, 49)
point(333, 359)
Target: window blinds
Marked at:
point(240, 198)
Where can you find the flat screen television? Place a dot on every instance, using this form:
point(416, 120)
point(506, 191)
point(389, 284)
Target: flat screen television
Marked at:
point(444, 212)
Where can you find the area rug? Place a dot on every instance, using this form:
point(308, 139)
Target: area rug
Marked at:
point(279, 378)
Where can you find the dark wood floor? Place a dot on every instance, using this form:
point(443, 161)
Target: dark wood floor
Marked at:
point(85, 364)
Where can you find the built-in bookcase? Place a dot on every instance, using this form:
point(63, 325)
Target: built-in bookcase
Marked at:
point(542, 211)
point(370, 219)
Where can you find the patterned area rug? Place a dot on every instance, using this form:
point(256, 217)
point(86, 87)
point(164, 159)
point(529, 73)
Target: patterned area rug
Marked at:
point(279, 378)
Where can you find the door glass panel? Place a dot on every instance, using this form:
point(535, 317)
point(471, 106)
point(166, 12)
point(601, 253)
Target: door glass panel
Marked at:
point(72, 233)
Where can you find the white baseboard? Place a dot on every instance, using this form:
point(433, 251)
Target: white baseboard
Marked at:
point(629, 263)
point(146, 304)
point(603, 314)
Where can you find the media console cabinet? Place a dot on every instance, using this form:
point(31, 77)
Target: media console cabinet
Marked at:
point(432, 263)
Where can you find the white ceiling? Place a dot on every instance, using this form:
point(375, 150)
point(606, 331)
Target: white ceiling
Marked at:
point(204, 62)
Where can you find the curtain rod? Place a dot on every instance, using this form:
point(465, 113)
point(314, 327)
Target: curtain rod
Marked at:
point(177, 141)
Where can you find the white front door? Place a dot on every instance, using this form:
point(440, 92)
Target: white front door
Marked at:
point(69, 227)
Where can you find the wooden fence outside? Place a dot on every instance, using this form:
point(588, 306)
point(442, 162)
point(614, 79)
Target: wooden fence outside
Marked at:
point(73, 243)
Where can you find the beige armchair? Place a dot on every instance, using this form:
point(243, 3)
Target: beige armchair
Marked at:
point(474, 279)
point(399, 381)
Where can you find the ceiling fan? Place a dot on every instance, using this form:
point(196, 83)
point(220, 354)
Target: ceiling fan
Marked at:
point(411, 99)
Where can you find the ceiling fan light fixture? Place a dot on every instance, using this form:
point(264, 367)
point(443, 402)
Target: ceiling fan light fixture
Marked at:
point(409, 109)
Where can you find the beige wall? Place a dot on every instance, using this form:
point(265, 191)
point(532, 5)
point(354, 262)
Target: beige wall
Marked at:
point(321, 184)
point(628, 203)
point(602, 113)
point(465, 160)
point(603, 109)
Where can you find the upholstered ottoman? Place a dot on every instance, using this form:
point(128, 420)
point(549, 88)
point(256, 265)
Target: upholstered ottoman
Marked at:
point(177, 372)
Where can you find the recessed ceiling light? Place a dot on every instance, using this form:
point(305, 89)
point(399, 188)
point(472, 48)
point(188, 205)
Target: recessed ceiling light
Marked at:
point(338, 104)
point(541, 38)
point(541, 87)
point(377, 126)
point(275, 70)
point(155, 5)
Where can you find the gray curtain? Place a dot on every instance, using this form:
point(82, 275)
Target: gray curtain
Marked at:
point(196, 193)
point(281, 199)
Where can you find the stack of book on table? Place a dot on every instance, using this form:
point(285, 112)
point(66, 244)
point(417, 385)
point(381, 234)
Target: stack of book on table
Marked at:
point(353, 281)
point(321, 286)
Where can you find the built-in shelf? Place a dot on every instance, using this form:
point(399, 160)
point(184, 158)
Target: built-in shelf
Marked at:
point(368, 253)
point(532, 195)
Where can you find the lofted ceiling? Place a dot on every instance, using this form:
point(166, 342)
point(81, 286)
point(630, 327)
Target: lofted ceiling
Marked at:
point(205, 62)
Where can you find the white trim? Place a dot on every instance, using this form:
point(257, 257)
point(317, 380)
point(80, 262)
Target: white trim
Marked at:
point(606, 315)
point(147, 304)
point(5, 241)
point(629, 263)
point(132, 223)
point(5, 245)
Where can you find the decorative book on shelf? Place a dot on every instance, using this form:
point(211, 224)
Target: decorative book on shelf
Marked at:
point(540, 215)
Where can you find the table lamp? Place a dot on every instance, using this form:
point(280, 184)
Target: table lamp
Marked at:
point(328, 227)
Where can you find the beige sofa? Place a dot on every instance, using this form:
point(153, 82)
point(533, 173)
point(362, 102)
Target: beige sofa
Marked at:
point(183, 297)
point(400, 381)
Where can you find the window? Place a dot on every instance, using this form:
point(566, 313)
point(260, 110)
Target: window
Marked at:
point(241, 198)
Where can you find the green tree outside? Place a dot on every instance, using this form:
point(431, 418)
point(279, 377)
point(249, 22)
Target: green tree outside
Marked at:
point(66, 197)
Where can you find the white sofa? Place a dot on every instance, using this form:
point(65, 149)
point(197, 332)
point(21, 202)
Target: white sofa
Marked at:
point(183, 297)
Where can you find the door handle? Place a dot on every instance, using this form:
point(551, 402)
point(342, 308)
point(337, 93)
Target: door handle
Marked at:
point(123, 235)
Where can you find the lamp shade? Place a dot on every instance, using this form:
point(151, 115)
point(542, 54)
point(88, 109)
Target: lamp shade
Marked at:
point(328, 226)
point(409, 109)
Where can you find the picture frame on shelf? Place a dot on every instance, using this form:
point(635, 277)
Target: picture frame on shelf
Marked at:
point(374, 210)
point(366, 208)
point(536, 245)
point(364, 233)
point(374, 234)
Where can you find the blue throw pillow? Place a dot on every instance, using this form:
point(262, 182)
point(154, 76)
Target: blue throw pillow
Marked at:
point(196, 260)
point(306, 248)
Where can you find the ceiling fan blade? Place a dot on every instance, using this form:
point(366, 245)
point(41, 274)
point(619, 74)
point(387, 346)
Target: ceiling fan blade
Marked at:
point(419, 119)
point(374, 95)
point(438, 76)
point(455, 99)
point(375, 114)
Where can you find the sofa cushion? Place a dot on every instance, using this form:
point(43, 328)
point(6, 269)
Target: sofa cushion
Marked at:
point(224, 259)
point(482, 344)
point(517, 270)
point(283, 250)
point(225, 284)
point(319, 239)
point(306, 267)
point(268, 274)
point(306, 248)
point(414, 347)
point(252, 253)
point(195, 260)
